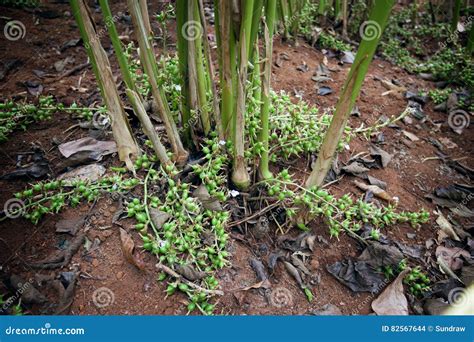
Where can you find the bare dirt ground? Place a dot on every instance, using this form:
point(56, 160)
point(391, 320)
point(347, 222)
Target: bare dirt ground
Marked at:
point(411, 175)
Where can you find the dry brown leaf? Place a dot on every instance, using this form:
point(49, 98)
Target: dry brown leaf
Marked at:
point(446, 226)
point(128, 247)
point(375, 190)
point(392, 300)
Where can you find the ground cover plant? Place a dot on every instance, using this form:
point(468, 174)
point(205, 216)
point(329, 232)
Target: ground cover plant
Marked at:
point(209, 151)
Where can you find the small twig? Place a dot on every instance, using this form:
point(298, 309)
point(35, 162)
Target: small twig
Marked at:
point(172, 273)
point(72, 71)
point(334, 181)
point(257, 214)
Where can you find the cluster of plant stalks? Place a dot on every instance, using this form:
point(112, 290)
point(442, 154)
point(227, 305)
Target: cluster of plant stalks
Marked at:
point(182, 222)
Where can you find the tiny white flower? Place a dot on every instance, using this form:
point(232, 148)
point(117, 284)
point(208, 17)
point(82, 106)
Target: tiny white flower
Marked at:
point(234, 193)
point(222, 142)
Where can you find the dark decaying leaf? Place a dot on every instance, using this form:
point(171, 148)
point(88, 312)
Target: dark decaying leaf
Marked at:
point(304, 241)
point(355, 169)
point(300, 265)
point(70, 226)
point(273, 259)
point(62, 258)
point(9, 65)
point(293, 271)
point(35, 165)
point(378, 255)
point(381, 156)
point(35, 88)
point(455, 192)
point(70, 43)
point(415, 251)
point(87, 144)
point(324, 90)
point(303, 67)
point(259, 269)
point(202, 194)
point(377, 182)
point(392, 300)
point(453, 257)
point(128, 247)
point(61, 64)
point(189, 272)
point(66, 289)
point(359, 276)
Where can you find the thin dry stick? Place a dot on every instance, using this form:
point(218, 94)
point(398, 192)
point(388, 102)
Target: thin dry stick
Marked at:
point(172, 273)
point(257, 214)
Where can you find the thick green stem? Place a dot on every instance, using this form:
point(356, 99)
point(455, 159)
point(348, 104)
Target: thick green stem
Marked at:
point(344, 18)
point(148, 127)
point(151, 69)
point(114, 37)
point(201, 74)
point(240, 175)
point(379, 17)
point(127, 146)
point(211, 73)
point(337, 9)
point(455, 18)
point(470, 40)
point(182, 45)
point(225, 8)
point(264, 172)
